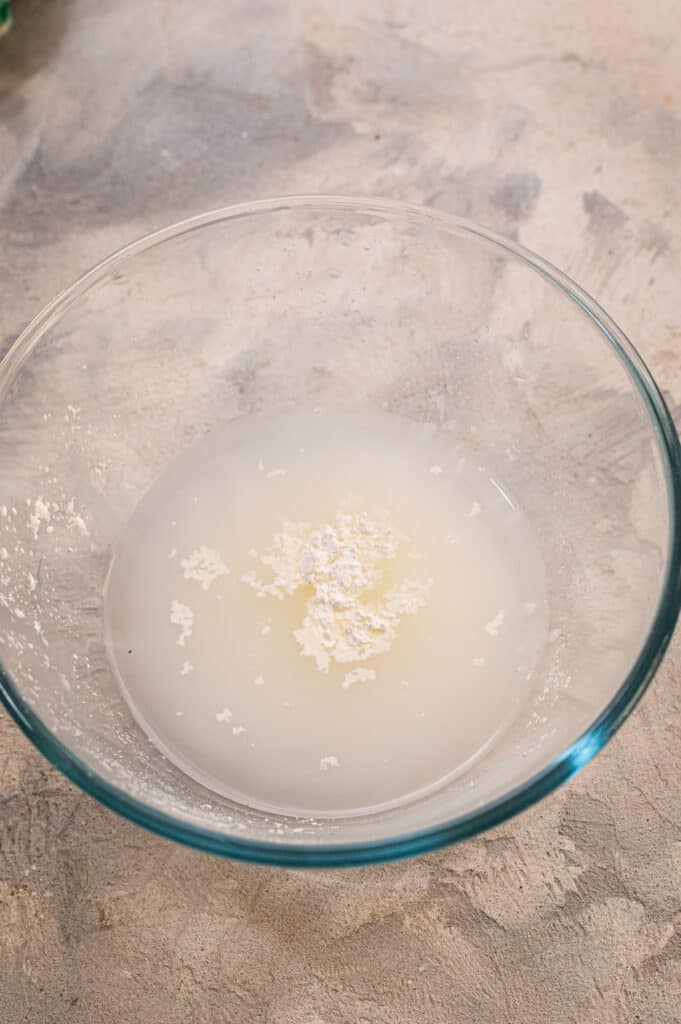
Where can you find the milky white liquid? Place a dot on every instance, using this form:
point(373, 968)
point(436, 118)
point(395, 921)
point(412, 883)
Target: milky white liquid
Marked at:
point(212, 669)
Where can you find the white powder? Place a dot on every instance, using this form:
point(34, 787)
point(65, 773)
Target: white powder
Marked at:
point(328, 762)
point(187, 667)
point(339, 566)
point(475, 510)
point(39, 515)
point(358, 675)
point(493, 627)
point(204, 565)
point(436, 470)
point(182, 616)
point(224, 716)
point(73, 519)
point(258, 681)
point(80, 525)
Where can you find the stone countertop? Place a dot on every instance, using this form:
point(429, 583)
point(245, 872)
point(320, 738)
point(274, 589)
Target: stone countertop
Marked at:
point(556, 123)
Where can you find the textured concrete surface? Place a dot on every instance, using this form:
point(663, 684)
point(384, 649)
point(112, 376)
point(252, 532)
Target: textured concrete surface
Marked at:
point(558, 123)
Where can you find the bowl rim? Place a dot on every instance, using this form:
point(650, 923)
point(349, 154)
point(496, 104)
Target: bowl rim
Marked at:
point(518, 798)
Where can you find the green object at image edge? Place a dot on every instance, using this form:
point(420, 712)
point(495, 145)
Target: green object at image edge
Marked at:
point(5, 17)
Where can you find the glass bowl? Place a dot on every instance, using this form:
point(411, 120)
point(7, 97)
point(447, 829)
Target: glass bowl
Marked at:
point(368, 305)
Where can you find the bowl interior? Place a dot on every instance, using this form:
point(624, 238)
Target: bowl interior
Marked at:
point(355, 306)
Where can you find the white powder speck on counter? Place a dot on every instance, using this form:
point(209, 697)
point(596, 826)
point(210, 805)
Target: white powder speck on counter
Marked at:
point(478, 662)
point(358, 675)
point(346, 618)
point(187, 667)
point(40, 514)
point(328, 762)
point(238, 729)
point(74, 519)
point(172, 553)
point(182, 616)
point(436, 470)
point(258, 681)
point(475, 510)
point(275, 473)
point(204, 566)
point(266, 630)
point(224, 716)
point(37, 626)
point(493, 627)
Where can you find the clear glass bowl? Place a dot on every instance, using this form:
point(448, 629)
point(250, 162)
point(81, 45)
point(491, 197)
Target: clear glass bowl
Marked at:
point(233, 313)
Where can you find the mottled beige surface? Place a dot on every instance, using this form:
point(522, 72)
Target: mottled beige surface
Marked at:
point(558, 123)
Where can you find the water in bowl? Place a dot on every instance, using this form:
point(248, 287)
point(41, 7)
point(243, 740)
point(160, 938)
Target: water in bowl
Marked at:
point(326, 613)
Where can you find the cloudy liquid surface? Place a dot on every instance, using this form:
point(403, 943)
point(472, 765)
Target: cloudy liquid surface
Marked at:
point(212, 664)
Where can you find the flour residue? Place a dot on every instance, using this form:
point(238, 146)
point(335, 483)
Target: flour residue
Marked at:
point(358, 675)
point(40, 514)
point(496, 623)
point(181, 615)
point(204, 566)
point(341, 567)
